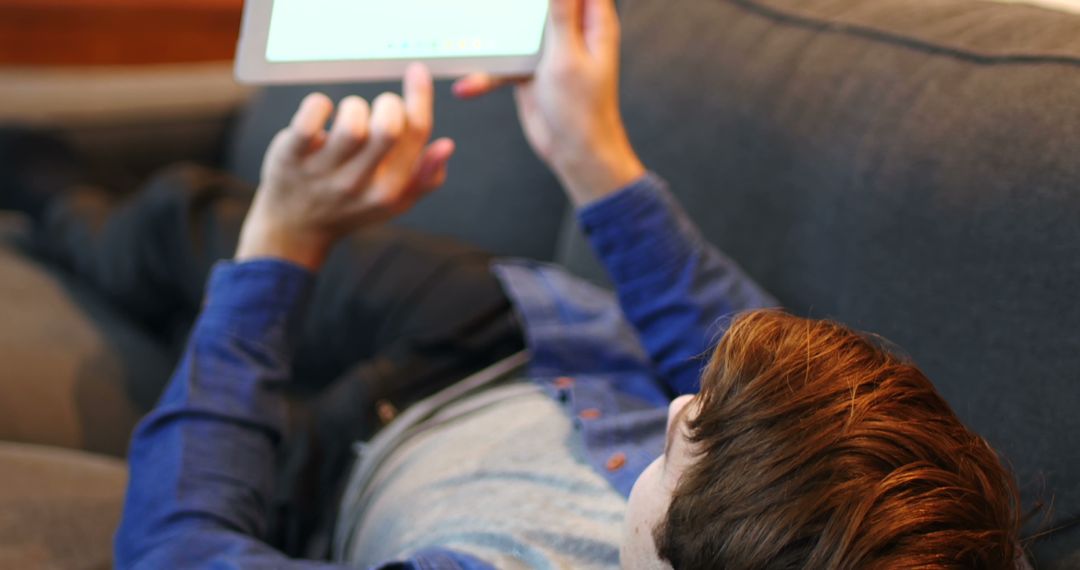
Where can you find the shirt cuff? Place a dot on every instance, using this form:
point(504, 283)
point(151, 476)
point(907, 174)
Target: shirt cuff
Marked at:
point(623, 202)
point(640, 230)
point(254, 296)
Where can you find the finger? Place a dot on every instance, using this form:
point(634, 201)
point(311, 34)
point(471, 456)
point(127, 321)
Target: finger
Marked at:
point(421, 189)
point(564, 25)
point(399, 165)
point(348, 135)
point(387, 121)
point(480, 84)
point(430, 173)
point(601, 25)
point(419, 90)
point(387, 124)
point(435, 158)
point(308, 124)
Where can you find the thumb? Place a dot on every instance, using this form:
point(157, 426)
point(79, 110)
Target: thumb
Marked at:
point(431, 171)
point(565, 24)
point(601, 27)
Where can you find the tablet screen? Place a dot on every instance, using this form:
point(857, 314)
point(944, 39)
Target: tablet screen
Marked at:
point(340, 30)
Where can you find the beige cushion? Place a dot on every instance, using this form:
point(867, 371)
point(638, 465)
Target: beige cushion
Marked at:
point(144, 117)
point(104, 95)
point(58, 509)
point(1062, 5)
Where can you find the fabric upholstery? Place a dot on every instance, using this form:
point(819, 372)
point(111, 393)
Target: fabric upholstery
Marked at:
point(906, 166)
point(72, 367)
point(143, 117)
point(909, 167)
point(58, 509)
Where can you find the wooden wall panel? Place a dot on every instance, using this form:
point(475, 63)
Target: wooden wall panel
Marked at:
point(117, 32)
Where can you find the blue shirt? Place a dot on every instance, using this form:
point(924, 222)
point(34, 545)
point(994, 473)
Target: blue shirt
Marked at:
point(202, 461)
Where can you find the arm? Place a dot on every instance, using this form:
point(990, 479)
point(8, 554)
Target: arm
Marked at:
point(673, 286)
point(202, 461)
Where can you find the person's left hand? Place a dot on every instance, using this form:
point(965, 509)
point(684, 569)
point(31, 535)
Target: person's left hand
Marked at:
point(317, 186)
point(569, 108)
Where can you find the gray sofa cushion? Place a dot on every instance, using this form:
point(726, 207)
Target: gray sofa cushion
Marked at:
point(911, 167)
point(76, 374)
point(498, 196)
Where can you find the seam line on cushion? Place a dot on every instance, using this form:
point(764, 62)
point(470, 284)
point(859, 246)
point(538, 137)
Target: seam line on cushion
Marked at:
point(881, 36)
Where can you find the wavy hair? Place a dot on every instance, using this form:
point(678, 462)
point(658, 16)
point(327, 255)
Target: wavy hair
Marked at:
point(817, 447)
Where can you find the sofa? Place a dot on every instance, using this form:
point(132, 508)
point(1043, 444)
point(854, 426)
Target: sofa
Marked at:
point(908, 167)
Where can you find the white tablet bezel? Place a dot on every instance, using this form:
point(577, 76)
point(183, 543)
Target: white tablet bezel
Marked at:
point(252, 66)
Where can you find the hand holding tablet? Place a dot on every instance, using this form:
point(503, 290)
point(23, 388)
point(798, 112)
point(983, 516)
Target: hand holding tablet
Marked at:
point(301, 41)
point(569, 108)
point(567, 91)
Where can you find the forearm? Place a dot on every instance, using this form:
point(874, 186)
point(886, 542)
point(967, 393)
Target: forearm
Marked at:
point(202, 462)
point(673, 285)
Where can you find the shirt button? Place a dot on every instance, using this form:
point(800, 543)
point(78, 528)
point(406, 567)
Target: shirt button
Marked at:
point(589, 414)
point(386, 411)
point(616, 461)
point(564, 382)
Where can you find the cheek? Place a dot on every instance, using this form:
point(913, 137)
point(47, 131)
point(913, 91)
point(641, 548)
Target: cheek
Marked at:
point(647, 484)
point(646, 506)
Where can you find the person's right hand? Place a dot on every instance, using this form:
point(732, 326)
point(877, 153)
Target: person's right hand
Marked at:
point(570, 108)
point(374, 164)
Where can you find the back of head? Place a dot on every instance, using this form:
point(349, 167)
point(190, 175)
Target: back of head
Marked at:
point(818, 448)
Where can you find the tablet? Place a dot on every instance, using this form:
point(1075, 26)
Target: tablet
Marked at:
point(328, 41)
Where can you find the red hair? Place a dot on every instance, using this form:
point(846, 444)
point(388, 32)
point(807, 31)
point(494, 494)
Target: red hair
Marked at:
point(818, 448)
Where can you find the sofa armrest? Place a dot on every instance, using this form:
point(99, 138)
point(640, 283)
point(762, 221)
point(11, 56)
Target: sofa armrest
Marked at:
point(60, 507)
point(143, 117)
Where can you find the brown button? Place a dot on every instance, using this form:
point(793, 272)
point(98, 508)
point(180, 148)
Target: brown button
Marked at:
point(616, 462)
point(589, 414)
point(564, 382)
point(386, 411)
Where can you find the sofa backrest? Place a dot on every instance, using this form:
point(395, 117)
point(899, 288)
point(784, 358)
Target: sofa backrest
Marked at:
point(909, 167)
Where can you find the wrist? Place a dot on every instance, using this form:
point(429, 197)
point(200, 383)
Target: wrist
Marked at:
point(260, 240)
point(593, 175)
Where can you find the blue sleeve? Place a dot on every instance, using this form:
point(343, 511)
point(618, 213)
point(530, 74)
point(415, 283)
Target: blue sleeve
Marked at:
point(202, 462)
point(672, 284)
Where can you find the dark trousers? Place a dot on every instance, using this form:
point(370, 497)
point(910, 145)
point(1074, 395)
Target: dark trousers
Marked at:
point(395, 317)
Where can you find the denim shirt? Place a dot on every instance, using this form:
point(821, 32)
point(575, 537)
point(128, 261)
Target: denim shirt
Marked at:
point(202, 460)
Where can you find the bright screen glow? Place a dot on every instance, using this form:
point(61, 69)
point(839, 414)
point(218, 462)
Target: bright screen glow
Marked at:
point(337, 30)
